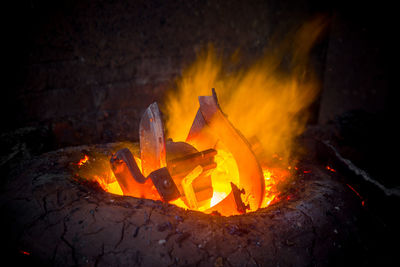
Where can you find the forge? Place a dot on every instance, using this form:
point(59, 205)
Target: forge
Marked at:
point(178, 173)
point(201, 133)
point(77, 222)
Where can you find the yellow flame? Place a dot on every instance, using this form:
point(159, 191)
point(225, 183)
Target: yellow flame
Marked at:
point(267, 105)
point(225, 172)
point(261, 101)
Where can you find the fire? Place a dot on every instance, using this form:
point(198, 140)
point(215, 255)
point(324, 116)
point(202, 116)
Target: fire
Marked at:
point(225, 172)
point(262, 102)
point(83, 161)
point(266, 105)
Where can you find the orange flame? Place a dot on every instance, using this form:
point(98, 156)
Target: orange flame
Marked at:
point(262, 101)
point(267, 105)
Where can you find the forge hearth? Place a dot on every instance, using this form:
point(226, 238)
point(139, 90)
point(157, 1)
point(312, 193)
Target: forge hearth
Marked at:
point(56, 218)
point(179, 173)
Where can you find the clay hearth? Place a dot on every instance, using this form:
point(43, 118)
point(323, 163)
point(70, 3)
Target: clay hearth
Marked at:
point(59, 219)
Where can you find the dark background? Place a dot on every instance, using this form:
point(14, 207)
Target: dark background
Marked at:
point(82, 72)
point(80, 68)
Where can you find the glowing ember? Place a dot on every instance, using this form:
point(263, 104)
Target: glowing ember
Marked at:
point(83, 161)
point(25, 252)
point(358, 194)
point(330, 169)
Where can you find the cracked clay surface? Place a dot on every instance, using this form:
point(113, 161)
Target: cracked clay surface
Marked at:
point(62, 222)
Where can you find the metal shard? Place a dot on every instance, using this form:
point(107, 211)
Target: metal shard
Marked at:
point(250, 173)
point(164, 184)
point(187, 184)
point(128, 175)
point(152, 142)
